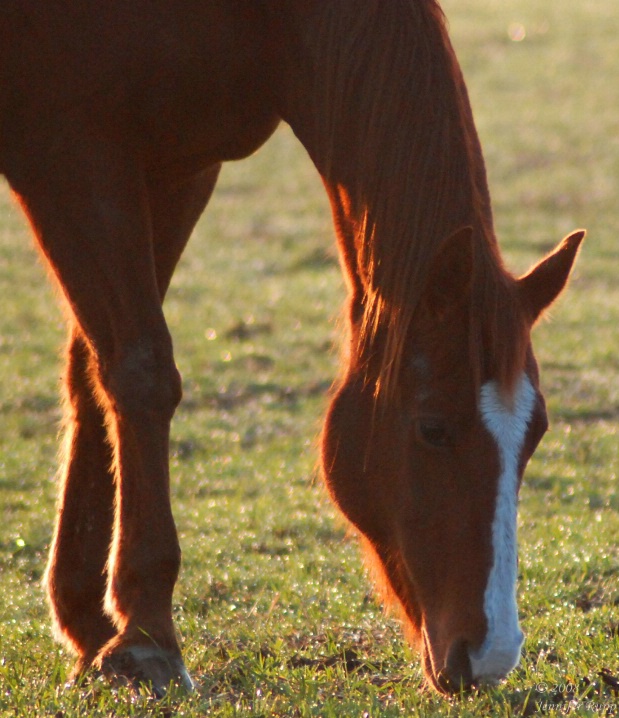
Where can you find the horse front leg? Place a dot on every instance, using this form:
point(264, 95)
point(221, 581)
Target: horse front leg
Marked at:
point(77, 569)
point(143, 391)
point(133, 636)
point(89, 208)
point(175, 207)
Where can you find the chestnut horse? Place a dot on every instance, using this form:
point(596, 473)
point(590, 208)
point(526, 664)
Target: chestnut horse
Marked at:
point(114, 120)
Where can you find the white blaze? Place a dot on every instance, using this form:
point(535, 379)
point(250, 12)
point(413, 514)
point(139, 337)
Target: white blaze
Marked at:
point(500, 651)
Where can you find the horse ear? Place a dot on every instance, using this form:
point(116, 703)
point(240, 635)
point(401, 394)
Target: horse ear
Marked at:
point(544, 282)
point(449, 279)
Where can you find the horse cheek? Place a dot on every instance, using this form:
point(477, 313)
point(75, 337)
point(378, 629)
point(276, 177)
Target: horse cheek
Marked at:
point(345, 442)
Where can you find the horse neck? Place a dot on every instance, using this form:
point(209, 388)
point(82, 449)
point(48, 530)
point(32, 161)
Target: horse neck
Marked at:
point(377, 97)
point(374, 92)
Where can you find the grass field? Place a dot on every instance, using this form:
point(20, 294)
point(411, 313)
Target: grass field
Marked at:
point(273, 606)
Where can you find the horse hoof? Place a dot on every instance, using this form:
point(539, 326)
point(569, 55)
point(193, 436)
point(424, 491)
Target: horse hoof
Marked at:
point(148, 666)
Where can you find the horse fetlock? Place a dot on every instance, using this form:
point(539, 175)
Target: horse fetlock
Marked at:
point(78, 618)
point(83, 630)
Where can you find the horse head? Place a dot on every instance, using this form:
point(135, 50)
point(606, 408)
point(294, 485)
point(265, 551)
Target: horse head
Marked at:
point(430, 475)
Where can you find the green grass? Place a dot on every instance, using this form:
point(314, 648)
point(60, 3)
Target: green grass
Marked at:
point(273, 604)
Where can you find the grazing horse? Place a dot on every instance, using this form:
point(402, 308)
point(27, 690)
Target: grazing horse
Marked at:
point(114, 120)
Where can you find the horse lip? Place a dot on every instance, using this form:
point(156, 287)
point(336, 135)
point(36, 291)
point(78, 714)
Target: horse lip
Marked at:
point(443, 683)
point(440, 679)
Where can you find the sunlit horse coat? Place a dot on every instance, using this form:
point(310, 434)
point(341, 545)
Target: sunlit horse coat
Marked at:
point(114, 119)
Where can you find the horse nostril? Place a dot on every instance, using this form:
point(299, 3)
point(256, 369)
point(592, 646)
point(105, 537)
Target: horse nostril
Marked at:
point(458, 672)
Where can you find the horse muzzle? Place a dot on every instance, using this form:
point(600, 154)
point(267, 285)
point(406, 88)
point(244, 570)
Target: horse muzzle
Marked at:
point(463, 667)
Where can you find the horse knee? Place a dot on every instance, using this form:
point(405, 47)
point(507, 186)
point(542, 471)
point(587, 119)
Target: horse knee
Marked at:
point(143, 382)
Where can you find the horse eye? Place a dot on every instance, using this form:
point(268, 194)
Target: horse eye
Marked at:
point(435, 432)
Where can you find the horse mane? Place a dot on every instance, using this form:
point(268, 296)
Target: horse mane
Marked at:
point(393, 122)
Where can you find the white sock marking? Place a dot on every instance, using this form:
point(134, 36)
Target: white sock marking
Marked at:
point(500, 651)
